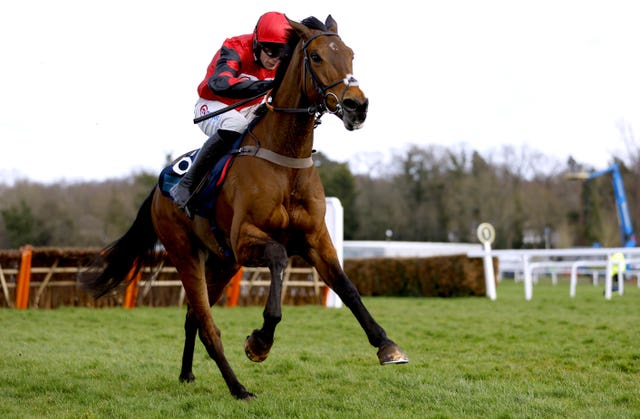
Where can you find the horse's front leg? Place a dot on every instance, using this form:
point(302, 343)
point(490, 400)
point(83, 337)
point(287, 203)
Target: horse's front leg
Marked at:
point(258, 344)
point(324, 258)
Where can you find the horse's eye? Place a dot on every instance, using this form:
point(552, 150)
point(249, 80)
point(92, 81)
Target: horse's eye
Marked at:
point(315, 57)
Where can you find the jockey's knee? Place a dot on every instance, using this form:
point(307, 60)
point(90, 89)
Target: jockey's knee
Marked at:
point(236, 124)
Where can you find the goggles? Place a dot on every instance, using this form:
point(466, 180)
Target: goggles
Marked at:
point(274, 50)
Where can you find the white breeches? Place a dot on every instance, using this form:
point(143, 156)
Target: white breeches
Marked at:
point(232, 120)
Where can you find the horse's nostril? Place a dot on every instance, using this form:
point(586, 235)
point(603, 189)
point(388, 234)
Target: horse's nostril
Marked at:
point(350, 105)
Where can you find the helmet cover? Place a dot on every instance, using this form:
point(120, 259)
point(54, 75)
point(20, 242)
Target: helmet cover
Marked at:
point(272, 28)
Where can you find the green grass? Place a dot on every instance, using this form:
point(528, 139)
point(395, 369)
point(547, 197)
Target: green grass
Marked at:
point(552, 356)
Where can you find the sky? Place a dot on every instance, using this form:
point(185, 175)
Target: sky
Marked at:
point(94, 90)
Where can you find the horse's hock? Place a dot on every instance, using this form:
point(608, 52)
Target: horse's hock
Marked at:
point(55, 280)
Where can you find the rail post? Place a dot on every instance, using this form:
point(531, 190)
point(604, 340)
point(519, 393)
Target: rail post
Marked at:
point(131, 293)
point(334, 219)
point(24, 278)
point(233, 292)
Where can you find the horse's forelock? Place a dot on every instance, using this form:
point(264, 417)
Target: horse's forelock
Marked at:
point(313, 23)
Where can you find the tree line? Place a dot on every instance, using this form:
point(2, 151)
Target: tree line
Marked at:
point(430, 193)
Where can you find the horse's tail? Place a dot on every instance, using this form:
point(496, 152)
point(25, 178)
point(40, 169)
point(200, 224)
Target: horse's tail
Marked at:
point(123, 258)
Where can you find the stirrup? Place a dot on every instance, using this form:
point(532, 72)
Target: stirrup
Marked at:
point(184, 206)
point(187, 210)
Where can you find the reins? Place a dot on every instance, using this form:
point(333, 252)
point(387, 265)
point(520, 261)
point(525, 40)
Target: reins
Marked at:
point(227, 108)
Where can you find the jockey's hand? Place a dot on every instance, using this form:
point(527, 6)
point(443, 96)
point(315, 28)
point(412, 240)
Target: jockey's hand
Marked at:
point(262, 85)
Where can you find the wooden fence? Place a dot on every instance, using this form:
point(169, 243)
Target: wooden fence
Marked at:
point(50, 277)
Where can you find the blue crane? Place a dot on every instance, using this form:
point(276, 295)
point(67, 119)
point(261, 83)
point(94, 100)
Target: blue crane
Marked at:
point(624, 219)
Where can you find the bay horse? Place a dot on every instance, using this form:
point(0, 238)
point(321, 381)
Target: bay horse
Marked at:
point(271, 206)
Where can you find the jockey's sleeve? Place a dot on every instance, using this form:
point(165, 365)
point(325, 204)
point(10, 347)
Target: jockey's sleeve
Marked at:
point(225, 81)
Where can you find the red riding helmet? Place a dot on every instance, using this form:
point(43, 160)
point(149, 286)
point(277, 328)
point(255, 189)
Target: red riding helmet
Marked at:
point(272, 28)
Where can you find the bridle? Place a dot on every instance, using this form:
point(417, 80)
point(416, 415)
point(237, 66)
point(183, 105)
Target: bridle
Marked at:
point(319, 109)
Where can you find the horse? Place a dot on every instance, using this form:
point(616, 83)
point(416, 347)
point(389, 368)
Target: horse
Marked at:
point(270, 207)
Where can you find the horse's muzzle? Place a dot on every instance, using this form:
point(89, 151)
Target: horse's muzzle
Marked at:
point(354, 112)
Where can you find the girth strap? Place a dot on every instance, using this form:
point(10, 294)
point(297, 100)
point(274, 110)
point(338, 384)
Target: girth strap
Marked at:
point(273, 157)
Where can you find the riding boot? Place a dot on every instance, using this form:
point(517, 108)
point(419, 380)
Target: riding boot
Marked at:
point(210, 152)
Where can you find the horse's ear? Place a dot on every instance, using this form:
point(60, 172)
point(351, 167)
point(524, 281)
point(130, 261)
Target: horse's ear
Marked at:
point(331, 24)
point(302, 31)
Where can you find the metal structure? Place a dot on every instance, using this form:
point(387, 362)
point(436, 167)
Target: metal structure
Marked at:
point(624, 219)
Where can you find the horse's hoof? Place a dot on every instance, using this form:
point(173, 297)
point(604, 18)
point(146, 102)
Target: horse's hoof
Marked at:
point(392, 354)
point(245, 395)
point(255, 348)
point(187, 378)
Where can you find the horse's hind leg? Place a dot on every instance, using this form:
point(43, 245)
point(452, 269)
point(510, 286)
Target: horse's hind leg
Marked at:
point(190, 332)
point(210, 337)
point(215, 290)
point(258, 344)
point(192, 275)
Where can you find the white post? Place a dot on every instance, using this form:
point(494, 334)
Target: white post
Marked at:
point(528, 285)
point(608, 279)
point(334, 219)
point(574, 280)
point(486, 234)
point(621, 270)
point(489, 275)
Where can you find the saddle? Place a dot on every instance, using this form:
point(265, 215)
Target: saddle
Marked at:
point(204, 200)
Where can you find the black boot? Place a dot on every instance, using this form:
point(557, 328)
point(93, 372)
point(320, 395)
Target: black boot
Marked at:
point(210, 152)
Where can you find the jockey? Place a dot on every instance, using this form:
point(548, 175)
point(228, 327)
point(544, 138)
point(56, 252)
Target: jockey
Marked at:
point(243, 67)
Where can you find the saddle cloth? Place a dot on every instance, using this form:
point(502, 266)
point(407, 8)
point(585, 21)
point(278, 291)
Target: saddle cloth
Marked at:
point(203, 202)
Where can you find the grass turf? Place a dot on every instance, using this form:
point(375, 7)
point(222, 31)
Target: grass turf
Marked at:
point(553, 356)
